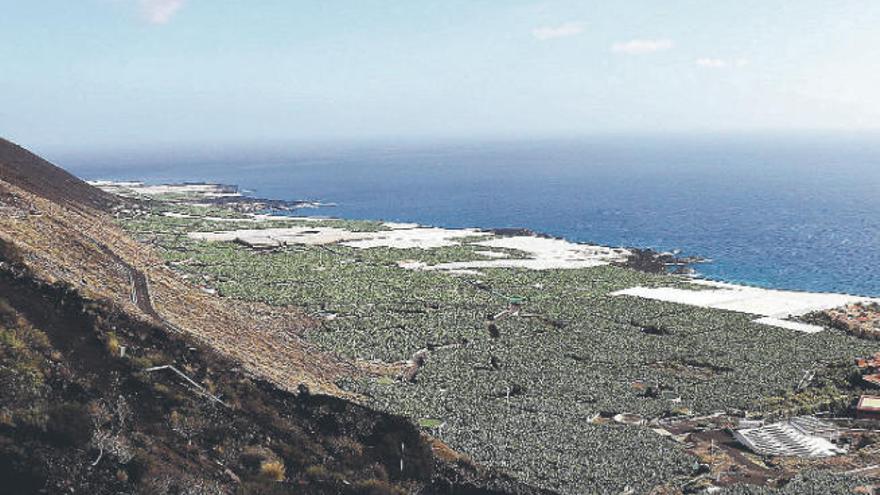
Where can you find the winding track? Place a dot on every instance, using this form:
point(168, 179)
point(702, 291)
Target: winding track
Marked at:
point(140, 292)
point(140, 287)
point(140, 297)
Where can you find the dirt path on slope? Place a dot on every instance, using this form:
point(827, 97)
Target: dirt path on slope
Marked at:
point(140, 287)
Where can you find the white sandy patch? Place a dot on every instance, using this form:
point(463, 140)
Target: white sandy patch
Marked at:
point(139, 188)
point(543, 254)
point(256, 218)
point(420, 238)
point(270, 238)
point(790, 325)
point(774, 306)
point(556, 248)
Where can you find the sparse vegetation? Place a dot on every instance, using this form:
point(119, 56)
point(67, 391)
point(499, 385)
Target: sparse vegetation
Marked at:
point(273, 470)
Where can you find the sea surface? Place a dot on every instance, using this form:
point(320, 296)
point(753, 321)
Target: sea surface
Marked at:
point(796, 212)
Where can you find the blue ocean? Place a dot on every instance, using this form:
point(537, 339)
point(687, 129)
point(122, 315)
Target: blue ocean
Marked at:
point(796, 212)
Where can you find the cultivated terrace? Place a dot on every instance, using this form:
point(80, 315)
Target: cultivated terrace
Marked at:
point(525, 369)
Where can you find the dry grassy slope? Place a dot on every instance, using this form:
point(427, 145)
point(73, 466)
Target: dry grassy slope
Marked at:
point(76, 243)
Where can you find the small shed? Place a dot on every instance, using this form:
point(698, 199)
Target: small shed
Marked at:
point(872, 379)
point(868, 407)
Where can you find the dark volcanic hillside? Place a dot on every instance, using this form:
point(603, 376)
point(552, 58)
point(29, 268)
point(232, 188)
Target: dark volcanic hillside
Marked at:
point(117, 377)
point(35, 175)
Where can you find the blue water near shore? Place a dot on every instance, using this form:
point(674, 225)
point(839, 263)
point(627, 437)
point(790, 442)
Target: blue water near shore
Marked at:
point(796, 212)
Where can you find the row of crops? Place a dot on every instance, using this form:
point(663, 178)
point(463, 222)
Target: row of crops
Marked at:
point(528, 394)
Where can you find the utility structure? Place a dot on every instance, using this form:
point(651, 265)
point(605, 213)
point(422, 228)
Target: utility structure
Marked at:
point(200, 389)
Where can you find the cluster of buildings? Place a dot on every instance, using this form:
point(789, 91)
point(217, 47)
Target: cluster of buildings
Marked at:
point(869, 405)
point(861, 319)
point(807, 436)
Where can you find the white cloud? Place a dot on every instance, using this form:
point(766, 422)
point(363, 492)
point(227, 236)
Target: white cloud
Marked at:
point(711, 63)
point(720, 63)
point(564, 30)
point(160, 11)
point(642, 47)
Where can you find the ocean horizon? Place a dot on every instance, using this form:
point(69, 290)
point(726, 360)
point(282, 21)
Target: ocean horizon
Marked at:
point(796, 212)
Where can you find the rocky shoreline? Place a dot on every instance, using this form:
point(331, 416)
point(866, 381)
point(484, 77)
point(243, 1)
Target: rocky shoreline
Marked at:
point(207, 193)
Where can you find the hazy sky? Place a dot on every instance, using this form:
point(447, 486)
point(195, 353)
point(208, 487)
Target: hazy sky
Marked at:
point(111, 73)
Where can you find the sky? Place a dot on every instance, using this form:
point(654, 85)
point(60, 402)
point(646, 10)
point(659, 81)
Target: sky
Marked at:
point(106, 74)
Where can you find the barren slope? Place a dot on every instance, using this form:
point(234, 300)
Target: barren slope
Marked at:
point(75, 242)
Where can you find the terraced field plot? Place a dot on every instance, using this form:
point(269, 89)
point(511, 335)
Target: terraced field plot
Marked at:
point(527, 392)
